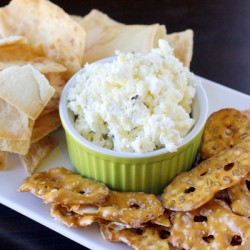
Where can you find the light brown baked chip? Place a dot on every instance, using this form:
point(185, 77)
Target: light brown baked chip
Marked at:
point(43, 65)
point(37, 152)
point(19, 146)
point(224, 129)
point(43, 22)
point(212, 226)
point(131, 208)
point(17, 48)
point(45, 124)
point(62, 186)
point(57, 81)
point(182, 43)
point(20, 78)
point(14, 124)
point(239, 196)
point(190, 190)
point(12, 40)
point(76, 18)
point(151, 237)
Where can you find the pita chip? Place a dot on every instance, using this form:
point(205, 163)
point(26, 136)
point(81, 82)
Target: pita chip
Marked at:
point(15, 51)
point(43, 65)
point(17, 146)
point(45, 124)
point(182, 42)
point(116, 38)
point(105, 36)
point(96, 18)
point(37, 152)
point(26, 89)
point(77, 18)
point(43, 22)
point(57, 81)
point(247, 112)
point(14, 125)
point(20, 52)
point(12, 40)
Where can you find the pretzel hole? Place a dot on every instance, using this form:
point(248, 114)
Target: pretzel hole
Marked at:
point(208, 238)
point(228, 166)
point(200, 218)
point(248, 185)
point(203, 173)
point(68, 214)
point(86, 209)
point(48, 186)
point(236, 240)
point(134, 206)
point(137, 231)
point(189, 190)
point(164, 234)
point(82, 192)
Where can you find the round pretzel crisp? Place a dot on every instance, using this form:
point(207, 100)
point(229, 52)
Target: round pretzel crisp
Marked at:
point(131, 208)
point(239, 196)
point(213, 227)
point(61, 186)
point(224, 129)
point(190, 190)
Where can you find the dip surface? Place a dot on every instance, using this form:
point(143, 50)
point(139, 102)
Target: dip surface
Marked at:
point(136, 103)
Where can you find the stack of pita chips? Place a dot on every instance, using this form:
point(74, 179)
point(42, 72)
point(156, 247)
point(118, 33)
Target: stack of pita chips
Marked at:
point(41, 47)
point(105, 35)
point(24, 94)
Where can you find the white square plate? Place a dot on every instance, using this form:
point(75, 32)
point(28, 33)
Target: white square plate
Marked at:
point(27, 204)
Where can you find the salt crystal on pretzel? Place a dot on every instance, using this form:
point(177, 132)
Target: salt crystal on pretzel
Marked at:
point(131, 208)
point(224, 129)
point(61, 186)
point(70, 218)
point(149, 237)
point(114, 225)
point(212, 226)
point(190, 190)
point(239, 196)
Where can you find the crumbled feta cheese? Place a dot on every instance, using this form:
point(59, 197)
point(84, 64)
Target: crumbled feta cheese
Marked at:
point(137, 103)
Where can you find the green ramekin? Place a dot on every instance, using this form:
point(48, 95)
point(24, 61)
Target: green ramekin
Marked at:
point(148, 172)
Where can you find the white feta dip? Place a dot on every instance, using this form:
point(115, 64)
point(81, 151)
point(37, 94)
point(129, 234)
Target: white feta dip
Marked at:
point(136, 103)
